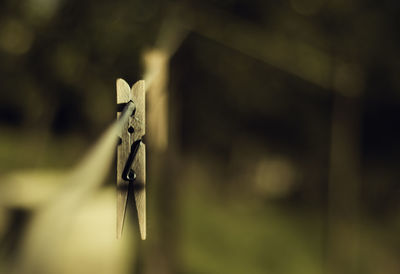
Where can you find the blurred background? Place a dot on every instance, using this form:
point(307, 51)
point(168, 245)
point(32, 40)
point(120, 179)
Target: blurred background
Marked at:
point(272, 135)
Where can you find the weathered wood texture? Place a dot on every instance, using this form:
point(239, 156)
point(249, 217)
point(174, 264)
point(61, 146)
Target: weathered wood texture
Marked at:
point(123, 96)
point(139, 164)
point(137, 95)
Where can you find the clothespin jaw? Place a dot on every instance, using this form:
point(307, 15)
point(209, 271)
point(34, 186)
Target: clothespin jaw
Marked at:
point(131, 153)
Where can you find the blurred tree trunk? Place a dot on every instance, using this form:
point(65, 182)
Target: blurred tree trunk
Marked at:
point(343, 242)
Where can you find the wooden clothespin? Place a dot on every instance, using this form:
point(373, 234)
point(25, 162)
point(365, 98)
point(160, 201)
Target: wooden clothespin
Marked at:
point(131, 154)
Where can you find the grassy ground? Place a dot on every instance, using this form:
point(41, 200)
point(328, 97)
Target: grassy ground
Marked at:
point(244, 236)
point(27, 150)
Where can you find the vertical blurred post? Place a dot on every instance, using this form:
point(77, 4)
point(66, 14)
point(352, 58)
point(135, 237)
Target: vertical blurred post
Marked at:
point(344, 175)
point(162, 156)
point(161, 257)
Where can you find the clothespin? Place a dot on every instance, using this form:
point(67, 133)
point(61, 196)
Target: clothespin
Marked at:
point(131, 154)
